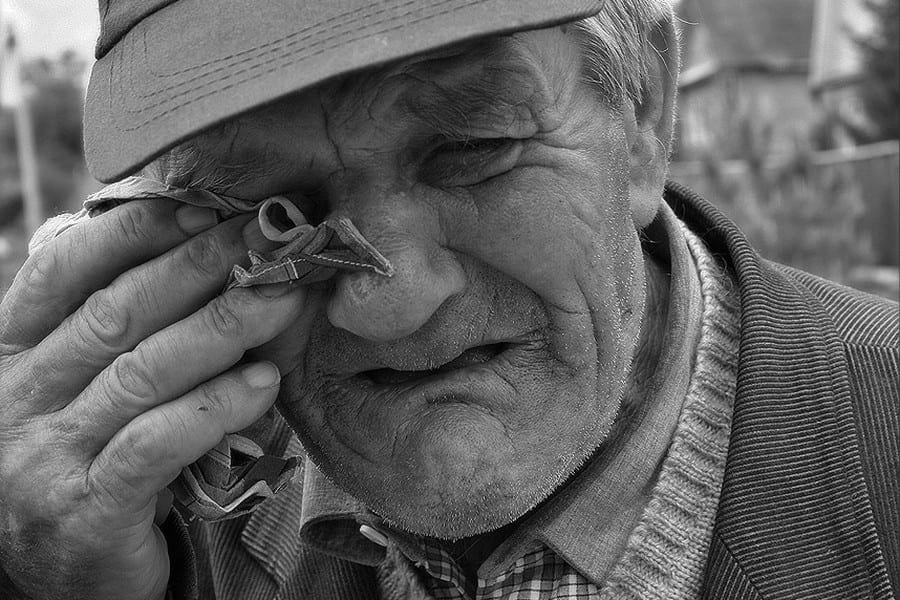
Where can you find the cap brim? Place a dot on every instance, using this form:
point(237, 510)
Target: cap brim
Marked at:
point(196, 63)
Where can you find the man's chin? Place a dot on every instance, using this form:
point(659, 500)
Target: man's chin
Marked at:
point(449, 505)
point(460, 513)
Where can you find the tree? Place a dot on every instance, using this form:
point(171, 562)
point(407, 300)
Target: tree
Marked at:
point(880, 89)
point(793, 211)
point(56, 107)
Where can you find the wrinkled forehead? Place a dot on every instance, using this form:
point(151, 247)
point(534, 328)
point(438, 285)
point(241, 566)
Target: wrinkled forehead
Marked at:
point(455, 91)
point(476, 79)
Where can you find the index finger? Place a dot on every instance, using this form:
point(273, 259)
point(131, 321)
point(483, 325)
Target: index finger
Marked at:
point(59, 276)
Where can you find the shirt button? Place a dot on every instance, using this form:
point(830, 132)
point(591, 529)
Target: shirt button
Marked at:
point(373, 535)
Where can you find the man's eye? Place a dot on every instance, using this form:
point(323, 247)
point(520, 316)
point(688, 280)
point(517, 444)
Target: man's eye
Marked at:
point(474, 146)
point(471, 161)
point(312, 204)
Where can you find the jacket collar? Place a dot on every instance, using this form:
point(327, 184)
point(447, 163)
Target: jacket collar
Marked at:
point(794, 517)
point(271, 534)
point(312, 512)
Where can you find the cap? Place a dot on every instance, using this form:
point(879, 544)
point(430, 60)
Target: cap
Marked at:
point(167, 69)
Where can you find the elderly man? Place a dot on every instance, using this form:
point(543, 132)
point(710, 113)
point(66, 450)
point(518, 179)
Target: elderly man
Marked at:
point(517, 364)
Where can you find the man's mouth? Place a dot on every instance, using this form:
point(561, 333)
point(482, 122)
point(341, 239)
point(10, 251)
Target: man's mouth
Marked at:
point(473, 356)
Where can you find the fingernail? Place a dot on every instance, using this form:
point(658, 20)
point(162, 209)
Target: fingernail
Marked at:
point(194, 219)
point(261, 375)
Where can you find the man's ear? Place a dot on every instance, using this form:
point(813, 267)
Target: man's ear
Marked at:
point(649, 124)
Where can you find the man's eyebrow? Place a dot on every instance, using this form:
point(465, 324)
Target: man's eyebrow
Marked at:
point(460, 110)
point(501, 90)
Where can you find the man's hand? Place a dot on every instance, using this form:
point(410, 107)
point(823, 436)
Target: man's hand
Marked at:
point(117, 369)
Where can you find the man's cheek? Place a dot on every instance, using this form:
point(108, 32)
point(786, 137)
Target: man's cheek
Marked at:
point(517, 238)
point(543, 257)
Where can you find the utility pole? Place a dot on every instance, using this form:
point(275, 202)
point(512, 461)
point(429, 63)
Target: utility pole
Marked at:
point(12, 96)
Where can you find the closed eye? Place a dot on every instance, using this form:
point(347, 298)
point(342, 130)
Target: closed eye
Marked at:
point(470, 161)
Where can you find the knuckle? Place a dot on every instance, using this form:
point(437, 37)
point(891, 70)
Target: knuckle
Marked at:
point(224, 317)
point(203, 255)
point(105, 320)
point(134, 222)
point(40, 267)
point(110, 476)
point(108, 479)
point(129, 378)
point(71, 431)
point(137, 448)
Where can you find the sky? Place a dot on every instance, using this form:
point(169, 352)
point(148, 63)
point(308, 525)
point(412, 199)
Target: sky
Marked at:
point(51, 26)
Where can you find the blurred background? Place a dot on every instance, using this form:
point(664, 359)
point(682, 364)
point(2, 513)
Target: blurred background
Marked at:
point(789, 121)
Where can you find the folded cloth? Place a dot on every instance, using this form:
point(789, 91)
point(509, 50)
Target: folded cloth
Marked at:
point(233, 478)
point(310, 254)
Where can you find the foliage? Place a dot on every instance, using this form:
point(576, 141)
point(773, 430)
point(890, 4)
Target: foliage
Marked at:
point(55, 105)
point(792, 210)
point(880, 89)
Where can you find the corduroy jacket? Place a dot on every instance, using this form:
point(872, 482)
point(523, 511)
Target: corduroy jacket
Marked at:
point(810, 504)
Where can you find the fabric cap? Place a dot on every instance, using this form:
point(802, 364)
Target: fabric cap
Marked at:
point(167, 69)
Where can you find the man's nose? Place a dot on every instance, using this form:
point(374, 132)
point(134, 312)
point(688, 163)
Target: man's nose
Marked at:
point(426, 274)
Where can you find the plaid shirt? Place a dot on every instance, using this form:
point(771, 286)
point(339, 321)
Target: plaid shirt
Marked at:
point(539, 575)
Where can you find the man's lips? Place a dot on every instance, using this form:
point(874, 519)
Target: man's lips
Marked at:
point(473, 356)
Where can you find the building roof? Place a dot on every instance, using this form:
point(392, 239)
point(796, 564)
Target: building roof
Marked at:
point(768, 34)
point(835, 56)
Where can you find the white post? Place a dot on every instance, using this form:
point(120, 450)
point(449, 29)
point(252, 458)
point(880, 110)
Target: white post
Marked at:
point(12, 95)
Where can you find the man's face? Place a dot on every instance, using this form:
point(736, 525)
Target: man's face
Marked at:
point(454, 396)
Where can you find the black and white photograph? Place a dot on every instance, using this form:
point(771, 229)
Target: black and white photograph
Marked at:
point(449, 300)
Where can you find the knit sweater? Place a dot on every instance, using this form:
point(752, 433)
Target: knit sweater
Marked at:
point(667, 551)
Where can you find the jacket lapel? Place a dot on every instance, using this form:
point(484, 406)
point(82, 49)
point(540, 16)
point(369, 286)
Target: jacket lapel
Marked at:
point(795, 519)
point(272, 533)
point(271, 536)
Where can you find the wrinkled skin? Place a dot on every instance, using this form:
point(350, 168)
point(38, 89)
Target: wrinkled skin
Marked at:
point(518, 301)
point(117, 368)
point(456, 395)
